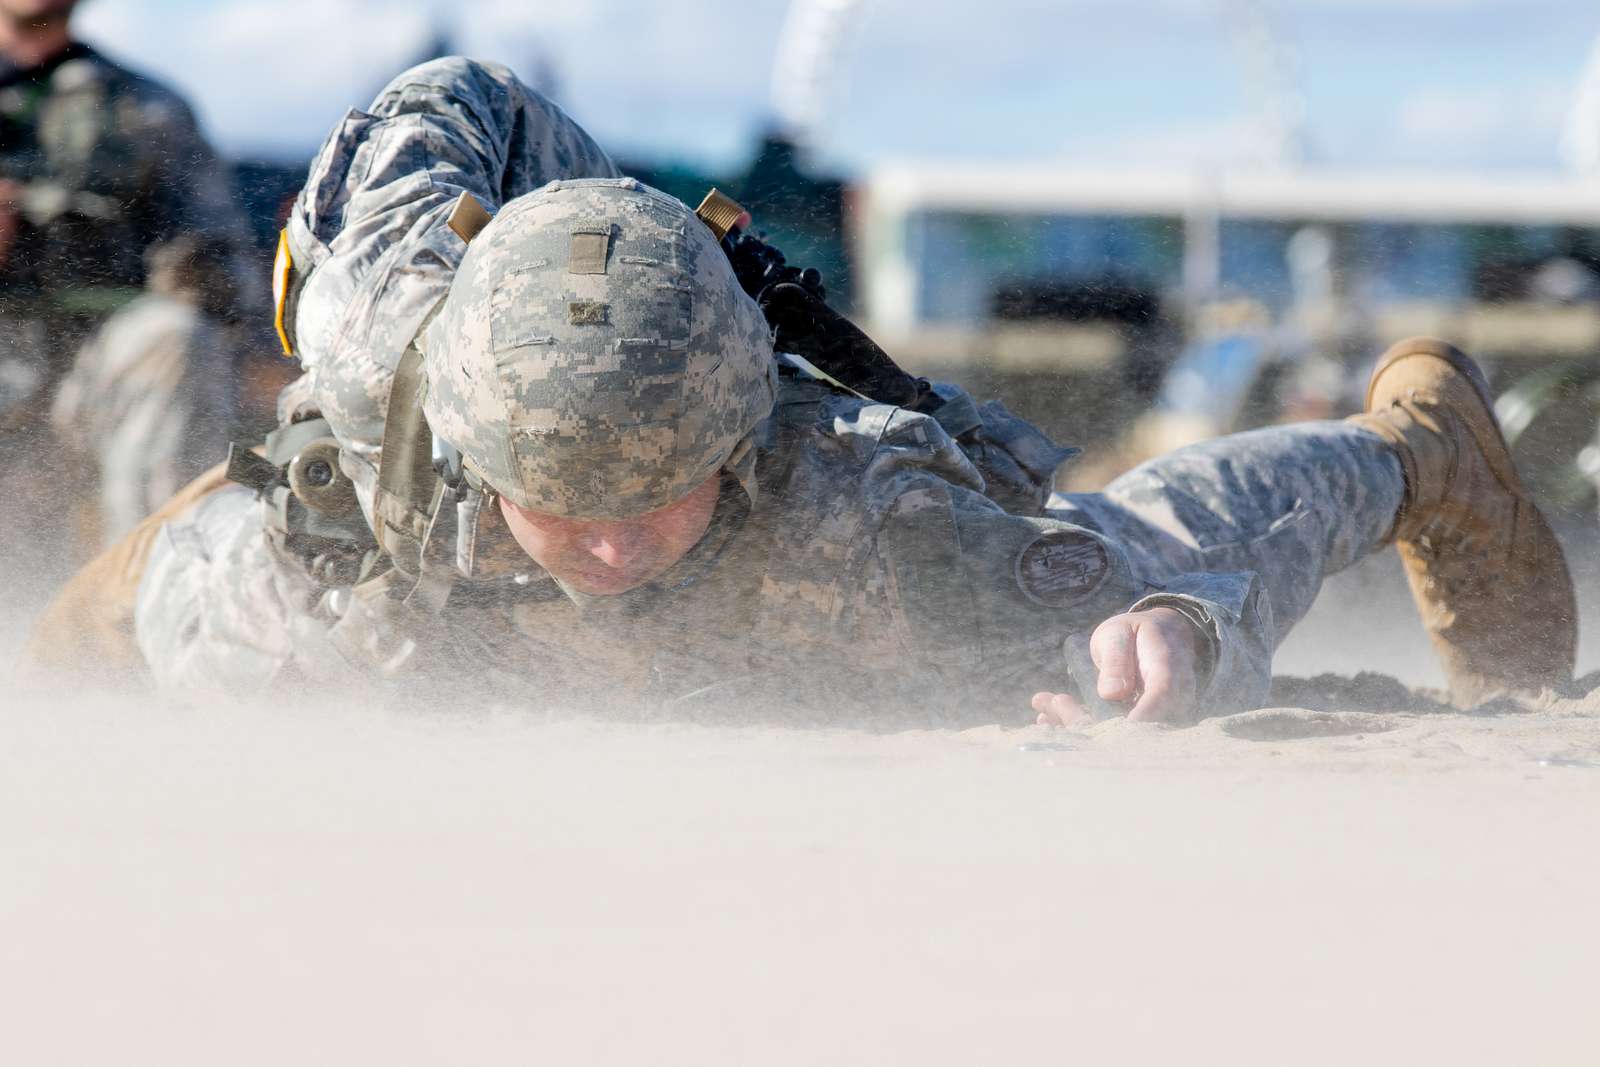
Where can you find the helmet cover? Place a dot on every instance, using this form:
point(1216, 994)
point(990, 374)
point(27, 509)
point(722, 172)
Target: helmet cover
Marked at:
point(595, 356)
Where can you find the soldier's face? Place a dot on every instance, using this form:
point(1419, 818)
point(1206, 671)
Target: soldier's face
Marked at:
point(604, 557)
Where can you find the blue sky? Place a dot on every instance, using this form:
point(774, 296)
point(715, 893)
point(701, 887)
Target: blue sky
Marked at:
point(1385, 83)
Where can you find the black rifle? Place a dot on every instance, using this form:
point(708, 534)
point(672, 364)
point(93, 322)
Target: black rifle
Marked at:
point(794, 301)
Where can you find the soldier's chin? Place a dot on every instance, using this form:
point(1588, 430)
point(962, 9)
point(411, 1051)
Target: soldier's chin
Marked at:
point(605, 583)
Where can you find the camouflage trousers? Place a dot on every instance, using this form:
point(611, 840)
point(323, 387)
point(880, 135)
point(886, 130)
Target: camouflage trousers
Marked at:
point(1290, 504)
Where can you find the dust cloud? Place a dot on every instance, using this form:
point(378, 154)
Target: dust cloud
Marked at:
point(260, 883)
point(1359, 875)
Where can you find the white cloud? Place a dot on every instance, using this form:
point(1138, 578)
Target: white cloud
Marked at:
point(280, 72)
point(1456, 115)
point(265, 74)
point(692, 78)
point(1214, 9)
point(1516, 125)
point(1425, 6)
point(1198, 144)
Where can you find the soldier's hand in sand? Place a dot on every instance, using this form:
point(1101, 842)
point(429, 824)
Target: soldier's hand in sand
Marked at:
point(1146, 660)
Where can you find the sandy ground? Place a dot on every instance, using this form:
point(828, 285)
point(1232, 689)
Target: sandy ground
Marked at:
point(1331, 883)
point(229, 885)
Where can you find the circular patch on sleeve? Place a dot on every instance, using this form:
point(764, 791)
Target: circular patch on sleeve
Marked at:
point(1060, 568)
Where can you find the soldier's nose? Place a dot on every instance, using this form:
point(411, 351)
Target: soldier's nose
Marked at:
point(615, 550)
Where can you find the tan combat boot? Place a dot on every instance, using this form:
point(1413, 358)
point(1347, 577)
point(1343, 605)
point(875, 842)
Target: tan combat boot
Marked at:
point(1487, 573)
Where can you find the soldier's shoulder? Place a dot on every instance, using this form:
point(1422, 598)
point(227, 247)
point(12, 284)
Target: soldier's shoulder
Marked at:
point(834, 445)
point(823, 415)
point(817, 421)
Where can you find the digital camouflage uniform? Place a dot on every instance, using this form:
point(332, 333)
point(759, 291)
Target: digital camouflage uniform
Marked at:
point(107, 163)
point(853, 558)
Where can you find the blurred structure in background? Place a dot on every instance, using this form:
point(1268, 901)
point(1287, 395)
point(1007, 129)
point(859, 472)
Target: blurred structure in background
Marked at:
point(808, 71)
point(797, 208)
point(1270, 72)
point(1267, 291)
point(802, 210)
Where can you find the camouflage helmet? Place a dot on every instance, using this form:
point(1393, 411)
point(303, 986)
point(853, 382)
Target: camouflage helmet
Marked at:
point(595, 356)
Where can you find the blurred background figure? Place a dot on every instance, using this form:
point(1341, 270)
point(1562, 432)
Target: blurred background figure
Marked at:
point(147, 406)
point(97, 165)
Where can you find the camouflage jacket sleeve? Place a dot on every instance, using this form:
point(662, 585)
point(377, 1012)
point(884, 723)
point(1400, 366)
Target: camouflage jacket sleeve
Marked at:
point(219, 610)
point(368, 233)
point(981, 601)
point(215, 611)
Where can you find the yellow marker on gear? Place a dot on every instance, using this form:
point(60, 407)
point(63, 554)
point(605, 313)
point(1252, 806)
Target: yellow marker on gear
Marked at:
point(282, 267)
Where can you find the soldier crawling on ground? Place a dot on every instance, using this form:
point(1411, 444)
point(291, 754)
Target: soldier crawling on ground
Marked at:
point(97, 165)
point(552, 455)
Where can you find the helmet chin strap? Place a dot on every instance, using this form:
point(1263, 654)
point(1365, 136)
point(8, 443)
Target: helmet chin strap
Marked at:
point(409, 489)
point(417, 513)
point(427, 509)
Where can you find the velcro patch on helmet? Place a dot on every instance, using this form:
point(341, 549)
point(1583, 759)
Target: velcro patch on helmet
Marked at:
point(588, 313)
point(589, 249)
point(1060, 568)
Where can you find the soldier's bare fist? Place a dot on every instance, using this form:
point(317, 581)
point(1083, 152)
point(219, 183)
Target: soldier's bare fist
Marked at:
point(1147, 660)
